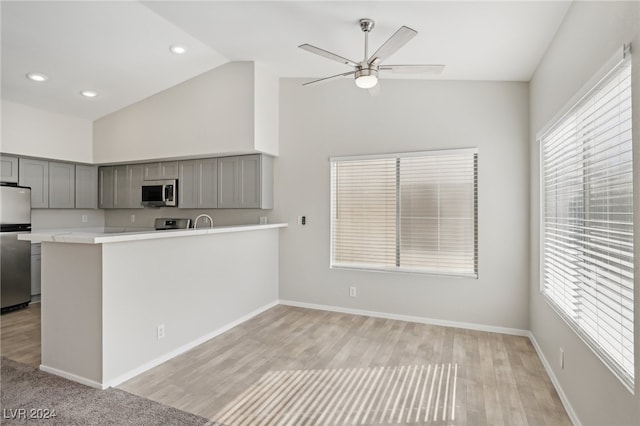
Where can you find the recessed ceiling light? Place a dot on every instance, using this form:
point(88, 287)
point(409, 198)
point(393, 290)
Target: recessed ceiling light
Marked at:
point(178, 49)
point(37, 77)
point(89, 93)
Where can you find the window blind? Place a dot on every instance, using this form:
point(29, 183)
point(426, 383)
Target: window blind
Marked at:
point(587, 242)
point(413, 212)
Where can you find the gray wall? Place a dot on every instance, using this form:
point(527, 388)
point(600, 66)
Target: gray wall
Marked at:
point(339, 119)
point(588, 37)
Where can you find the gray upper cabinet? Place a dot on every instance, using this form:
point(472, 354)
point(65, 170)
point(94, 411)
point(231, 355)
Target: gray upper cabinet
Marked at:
point(55, 184)
point(62, 188)
point(120, 186)
point(198, 183)
point(105, 187)
point(8, 169)
point(245, 182)
point(86, 187)
point(136, 177)
point(158, 171)
point(121, 193)
point(35, 174)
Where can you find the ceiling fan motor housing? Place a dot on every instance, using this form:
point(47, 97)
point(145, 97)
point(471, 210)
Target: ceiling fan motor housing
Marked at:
point(363, 71)
point(366, 76)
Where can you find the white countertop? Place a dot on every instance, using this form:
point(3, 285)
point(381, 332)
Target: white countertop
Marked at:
point(80, 236)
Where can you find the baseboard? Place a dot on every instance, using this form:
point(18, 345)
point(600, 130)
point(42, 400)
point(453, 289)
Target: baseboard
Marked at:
point(73, 377)
point(409, 318)
point(184, 348)
point(556, 383)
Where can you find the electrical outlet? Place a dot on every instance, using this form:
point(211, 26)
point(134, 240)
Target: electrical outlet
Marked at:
point(133, 218)
point(561, 359)
point(160, 331)
point(302, 220)
point(353, 292)
point(85, 218)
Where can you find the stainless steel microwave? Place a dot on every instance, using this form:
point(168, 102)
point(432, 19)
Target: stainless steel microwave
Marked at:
point(160, 193)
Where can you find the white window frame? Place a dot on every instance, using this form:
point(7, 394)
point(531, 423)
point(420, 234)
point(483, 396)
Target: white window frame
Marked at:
point(609, 67)
point(462, 151)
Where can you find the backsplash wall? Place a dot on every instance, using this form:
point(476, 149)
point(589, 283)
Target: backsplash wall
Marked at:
point(66, 218)
point(144, 218)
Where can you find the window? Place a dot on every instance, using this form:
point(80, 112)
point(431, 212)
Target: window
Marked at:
point(587, 219)
point(414, 212)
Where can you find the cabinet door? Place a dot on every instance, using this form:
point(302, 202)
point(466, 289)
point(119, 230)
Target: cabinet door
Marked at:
point(228, 182)
point(136, 177)
point(249, 181)
point(169, 170)
point(188, 184)
point(62, 185)
point(9, 169)
point(208, 183)
point(86, 187)
point(121, 192)
point(106, 189)
point(152, 171)
point(35, 174)
point(159, 171)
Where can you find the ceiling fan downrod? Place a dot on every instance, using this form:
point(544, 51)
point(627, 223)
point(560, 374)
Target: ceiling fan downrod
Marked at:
point(366, 75)
point(366, 25)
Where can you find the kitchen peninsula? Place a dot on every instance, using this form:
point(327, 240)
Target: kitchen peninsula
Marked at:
point(115, 305)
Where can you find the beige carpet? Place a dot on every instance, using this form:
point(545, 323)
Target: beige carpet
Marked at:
point(30, 396)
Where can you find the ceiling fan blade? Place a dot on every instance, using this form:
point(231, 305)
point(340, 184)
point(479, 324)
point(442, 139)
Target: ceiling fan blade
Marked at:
point(395, 42)
point(327, 54)
point(413, 69)
point(323, 80)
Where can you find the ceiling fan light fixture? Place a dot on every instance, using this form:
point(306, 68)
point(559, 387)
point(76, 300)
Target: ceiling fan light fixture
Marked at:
point(366, 78)
point(366, 81)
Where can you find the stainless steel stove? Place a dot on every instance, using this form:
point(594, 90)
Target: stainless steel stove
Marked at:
point(165, 223)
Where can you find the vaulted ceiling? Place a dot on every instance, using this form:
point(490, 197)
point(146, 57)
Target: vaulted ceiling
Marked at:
point(121, 48)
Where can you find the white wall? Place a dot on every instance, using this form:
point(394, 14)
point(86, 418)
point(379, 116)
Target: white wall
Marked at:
point(71, 315)
point(213, 113)
point(33, 132)
point(588, 37)
point(339, 119)
point(100, 317)
point(37, 133)
point(206, 286)
point(266, 110)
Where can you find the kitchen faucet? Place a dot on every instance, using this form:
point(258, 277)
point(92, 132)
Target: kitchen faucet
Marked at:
point(195, 223)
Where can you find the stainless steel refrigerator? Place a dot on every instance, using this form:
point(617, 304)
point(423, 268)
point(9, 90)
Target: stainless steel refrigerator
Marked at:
point(15, 255)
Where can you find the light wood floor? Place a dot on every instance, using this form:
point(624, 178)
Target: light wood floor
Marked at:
point(495, 379)
point(500, 379)
point(20, 335)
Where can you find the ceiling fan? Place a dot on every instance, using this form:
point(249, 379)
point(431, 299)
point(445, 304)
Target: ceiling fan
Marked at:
point(366, 71)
